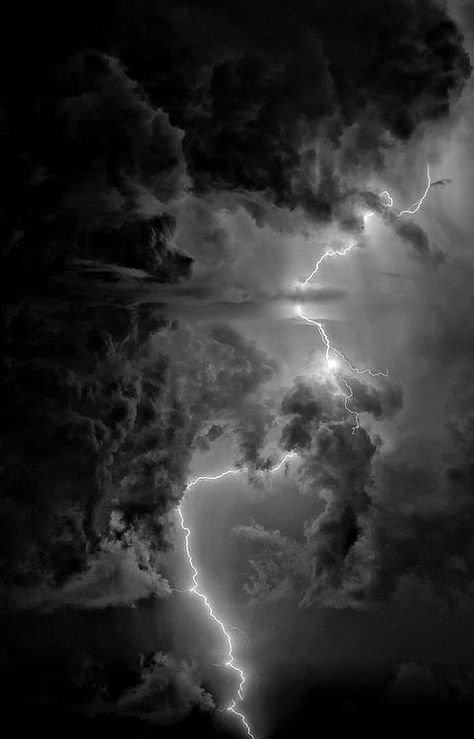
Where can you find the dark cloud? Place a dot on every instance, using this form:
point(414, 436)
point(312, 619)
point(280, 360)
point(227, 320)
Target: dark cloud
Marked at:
point(112, 114)
point(156, 688)
point(119, 573)
point(142, 244)
point(301, 148)
point(100, 414)
point(96, 174)
point(281, 571)
point(417, 238)
point(332, 563)
point(303, 123)
point(425, 533)
point(110, 122)
point(431, 683)
point(117, 149)
point(386, 516)
point(417, 682)
point(166, 692)
point(252, 430)
point(381, 402)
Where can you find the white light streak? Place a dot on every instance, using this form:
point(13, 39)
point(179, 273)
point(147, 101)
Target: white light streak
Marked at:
point(332, 354)
point(211, 478)
point(241, 716)
point(333, 358)
point(194, 589)
point(415, 207)
point(326, 255)
point(332, 363)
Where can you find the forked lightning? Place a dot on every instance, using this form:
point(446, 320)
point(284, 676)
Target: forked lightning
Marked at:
point(333, 357)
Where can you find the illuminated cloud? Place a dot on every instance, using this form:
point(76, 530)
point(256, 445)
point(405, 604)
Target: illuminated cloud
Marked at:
point(173, 172)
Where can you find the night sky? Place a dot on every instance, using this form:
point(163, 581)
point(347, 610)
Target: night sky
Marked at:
point(237, 237)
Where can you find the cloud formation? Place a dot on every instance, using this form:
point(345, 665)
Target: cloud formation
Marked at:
point(101, 437)
point(140, 130)
point(331, 565)
point(386, 515)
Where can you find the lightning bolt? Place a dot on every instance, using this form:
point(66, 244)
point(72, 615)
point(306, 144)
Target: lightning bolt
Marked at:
point(350, 394)
point(326, 255)
point(333, 363)
point(331, 349)
point(332, 354)
point(415, 207)
point(333, 357)
point(194, 589)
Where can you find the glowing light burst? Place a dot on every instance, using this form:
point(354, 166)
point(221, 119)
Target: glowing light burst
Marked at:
point(194, 589)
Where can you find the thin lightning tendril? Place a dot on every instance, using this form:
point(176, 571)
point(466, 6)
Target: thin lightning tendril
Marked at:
point(415, 207)
point(194, 589)
point(350, 394)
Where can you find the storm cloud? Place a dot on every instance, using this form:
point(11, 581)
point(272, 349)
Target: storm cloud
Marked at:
point(170, 171)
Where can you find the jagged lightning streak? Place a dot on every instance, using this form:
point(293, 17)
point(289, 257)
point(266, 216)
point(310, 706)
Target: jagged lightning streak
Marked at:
point(415, 207)
point(333, 356)
point(333, 363)
point(331, 353)
point(194, 589)
point(329, 253)
point(350, 394)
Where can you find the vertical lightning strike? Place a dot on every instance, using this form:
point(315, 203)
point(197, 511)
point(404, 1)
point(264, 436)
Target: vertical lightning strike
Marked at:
point(194, 589)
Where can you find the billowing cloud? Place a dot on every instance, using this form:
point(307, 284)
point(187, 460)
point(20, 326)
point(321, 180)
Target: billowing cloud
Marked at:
point(259, 107)
point(97, 172)
point(386, 517)
point(280, 571)
point(119, 574)
point(168, 690)
point(416, 237)
point(331, 564)
point(101, 444)
point(118, 151)
point(153, 142)
point(156, 688)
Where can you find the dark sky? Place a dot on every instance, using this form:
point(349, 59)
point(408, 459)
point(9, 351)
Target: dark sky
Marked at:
point(173, 172)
